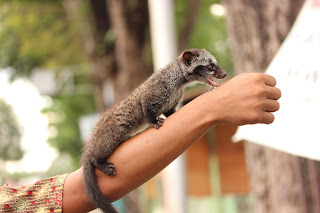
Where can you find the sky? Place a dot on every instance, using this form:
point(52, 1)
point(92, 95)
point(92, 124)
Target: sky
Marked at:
point(27, 104)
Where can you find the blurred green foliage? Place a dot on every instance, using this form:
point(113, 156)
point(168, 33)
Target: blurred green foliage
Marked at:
point(10, 133)
point(69, 108)
point(39, 34)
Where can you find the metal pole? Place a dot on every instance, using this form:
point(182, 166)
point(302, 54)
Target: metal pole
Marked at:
point(164, 49)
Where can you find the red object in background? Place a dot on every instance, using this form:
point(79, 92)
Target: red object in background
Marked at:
point(315, 3)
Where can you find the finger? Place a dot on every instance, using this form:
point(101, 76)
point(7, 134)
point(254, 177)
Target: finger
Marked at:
point(271, 105)
point(269, 80)
point(267, 118)
point(273, 93)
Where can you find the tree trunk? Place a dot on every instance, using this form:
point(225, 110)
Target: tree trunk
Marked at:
point(93, 28)
point(115, 34)
point(188, 25)
point(129, 21)
point(280, 182)
point(130, 27)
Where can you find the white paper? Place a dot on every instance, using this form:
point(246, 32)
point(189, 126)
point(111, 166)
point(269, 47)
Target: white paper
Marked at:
point(297, 70)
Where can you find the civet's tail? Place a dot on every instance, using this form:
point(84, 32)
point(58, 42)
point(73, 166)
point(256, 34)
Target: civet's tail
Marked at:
point(93, 190)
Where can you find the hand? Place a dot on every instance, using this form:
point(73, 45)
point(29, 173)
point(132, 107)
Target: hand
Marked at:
point(247, 99)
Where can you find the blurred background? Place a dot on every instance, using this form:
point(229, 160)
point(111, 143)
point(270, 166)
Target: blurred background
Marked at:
point(64, 62)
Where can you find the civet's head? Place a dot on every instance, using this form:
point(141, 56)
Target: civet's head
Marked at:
point(200, 65)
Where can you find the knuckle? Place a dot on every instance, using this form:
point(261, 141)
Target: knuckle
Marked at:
point(258, 76)
point(254, 77)
point(260, 105)
point(259, 91)
point(255, 117)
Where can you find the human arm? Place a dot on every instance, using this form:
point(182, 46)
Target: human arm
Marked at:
point(247, 98)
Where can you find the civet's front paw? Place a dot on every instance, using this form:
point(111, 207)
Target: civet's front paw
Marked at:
point(159, 123)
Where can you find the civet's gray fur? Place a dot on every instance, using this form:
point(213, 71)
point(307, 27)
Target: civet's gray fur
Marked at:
point(159, 94)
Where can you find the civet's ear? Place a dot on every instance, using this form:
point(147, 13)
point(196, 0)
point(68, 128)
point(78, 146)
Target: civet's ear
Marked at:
point(188, 57)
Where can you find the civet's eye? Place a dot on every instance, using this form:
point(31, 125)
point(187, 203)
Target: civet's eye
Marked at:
point(212, 67)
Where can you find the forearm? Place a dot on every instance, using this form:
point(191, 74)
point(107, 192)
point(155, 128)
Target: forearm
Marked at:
point(143, 156)
point(246, 99)
point(146, 154)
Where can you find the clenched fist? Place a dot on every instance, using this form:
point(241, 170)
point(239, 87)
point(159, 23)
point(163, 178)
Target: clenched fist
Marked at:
point(246, 99)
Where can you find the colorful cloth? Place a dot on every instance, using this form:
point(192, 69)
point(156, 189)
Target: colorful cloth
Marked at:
point(41, 197)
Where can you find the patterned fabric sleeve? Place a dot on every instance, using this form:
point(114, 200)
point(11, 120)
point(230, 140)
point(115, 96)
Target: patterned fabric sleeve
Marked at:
point(43, 196)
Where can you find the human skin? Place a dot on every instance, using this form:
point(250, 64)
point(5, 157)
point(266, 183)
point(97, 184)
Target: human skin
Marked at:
point(245, 99)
